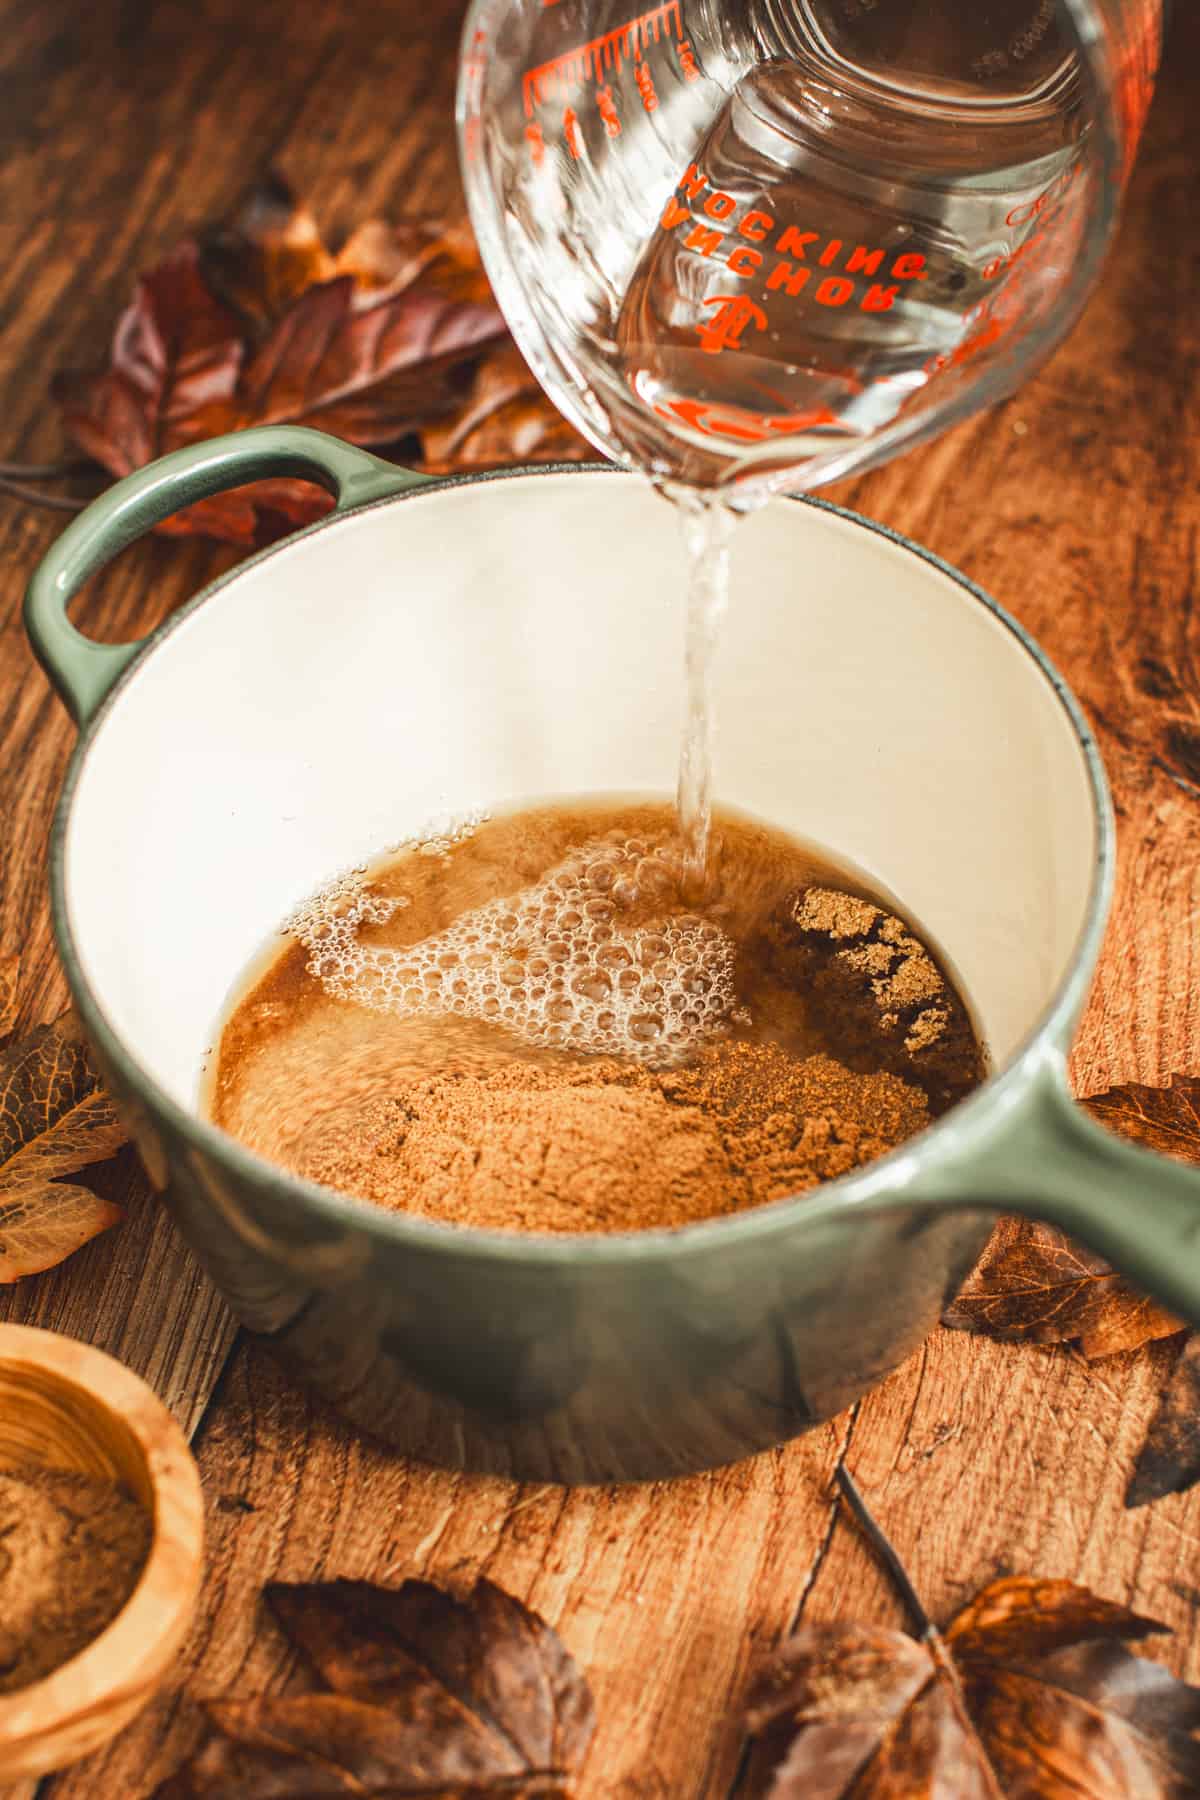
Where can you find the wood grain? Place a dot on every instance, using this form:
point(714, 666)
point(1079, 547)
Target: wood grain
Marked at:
point(1075, 504)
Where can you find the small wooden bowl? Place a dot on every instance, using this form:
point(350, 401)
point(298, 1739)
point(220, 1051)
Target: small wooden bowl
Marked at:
point(67, 1406)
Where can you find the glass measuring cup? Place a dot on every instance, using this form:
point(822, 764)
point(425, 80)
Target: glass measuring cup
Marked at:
point(760, 244)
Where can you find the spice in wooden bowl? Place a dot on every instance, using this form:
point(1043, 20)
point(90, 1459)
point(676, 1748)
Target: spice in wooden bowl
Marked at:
point(101, 1548)
point(72, 1547)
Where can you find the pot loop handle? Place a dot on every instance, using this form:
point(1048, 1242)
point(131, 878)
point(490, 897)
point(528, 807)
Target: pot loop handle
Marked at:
point(1042, 1156)
point(83, 672)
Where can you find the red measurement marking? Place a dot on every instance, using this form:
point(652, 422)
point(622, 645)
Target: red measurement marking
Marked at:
point(608, 112)
point(571, 134)
point(645, 83)
point(536, 141)
point(474, 68)
point(738, 424)
point(731, 315)
point(687, 61)
point(989, 332)
point(593, 61)
point(1048, 201)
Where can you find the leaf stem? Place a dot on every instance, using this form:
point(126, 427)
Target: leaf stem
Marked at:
point(943, 1661)
point(34, 497)
point(43, 471)
point(885, 1550)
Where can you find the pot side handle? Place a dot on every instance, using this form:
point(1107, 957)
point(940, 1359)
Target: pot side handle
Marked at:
point(82, 671)
point(1045, 1158)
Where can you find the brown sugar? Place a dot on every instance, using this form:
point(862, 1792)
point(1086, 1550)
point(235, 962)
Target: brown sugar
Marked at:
point(608, 1146)
point(72, 1548)
point(877, 991)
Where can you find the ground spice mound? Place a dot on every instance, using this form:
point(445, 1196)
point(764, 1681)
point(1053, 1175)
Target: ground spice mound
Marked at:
point(605, 1146)
point(72, 1547)
point(874, 987)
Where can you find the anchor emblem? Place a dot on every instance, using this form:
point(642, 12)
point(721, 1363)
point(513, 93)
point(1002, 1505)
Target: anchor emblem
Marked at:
point(731, 315)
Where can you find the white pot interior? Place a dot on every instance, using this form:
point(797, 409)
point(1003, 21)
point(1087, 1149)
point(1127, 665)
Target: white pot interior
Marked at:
point(523, 638)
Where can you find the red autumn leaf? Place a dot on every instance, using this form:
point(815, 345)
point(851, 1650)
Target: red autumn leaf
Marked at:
point(175, 349)
point(260, 324)
point(1165, 1119)
point(370, 375)
point(1035, 1285)
point(1030, 1692)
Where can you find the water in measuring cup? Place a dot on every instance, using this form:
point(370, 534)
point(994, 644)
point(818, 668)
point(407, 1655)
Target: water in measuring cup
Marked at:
point(763, 242)
point(804, 287)
point(751, 245)
point(828, 260)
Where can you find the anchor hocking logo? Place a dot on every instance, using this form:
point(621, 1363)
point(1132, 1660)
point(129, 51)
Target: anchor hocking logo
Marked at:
point(731, 315)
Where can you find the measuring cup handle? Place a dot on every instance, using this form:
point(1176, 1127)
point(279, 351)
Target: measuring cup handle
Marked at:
point(1045, 1158)
point(83, 672)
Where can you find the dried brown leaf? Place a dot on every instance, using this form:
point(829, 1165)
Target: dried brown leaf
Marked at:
point(370, 375)
point(384, 259)
point(55, 1120)
point(1169, 1460)
point(1166, 1119)
point(265, 254)
point(10, 971)
point(504, 417)
point(1035, 1285)
point(432, 1696)
point(259, 323)
point(1030, 1692)
point(175, 352)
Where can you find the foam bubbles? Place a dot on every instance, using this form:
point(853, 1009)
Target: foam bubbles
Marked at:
point(571, 962)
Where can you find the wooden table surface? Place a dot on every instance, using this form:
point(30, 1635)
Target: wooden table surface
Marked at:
point(123, 124)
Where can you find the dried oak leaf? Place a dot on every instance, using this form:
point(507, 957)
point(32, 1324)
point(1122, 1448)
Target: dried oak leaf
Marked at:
point(428, 1695)
point(1034, 1285)
point(259, 323)
point(1030, 1692)
point(55, 1119)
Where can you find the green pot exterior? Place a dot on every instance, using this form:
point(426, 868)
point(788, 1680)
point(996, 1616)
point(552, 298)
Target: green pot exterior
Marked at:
point(616, 1358)
point(659, 1357)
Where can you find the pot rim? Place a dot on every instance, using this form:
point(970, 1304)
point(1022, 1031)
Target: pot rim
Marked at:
point(882, 1184)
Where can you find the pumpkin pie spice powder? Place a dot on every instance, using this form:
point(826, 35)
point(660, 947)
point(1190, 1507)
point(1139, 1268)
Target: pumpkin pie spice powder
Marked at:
point(72, 1548)
point(603, 1146)
point(848, 1040)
